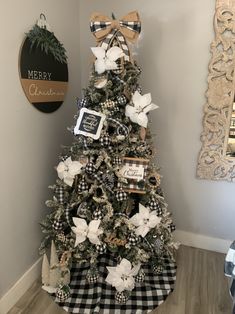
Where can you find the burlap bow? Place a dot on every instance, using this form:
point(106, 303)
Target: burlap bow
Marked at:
point(129, 26)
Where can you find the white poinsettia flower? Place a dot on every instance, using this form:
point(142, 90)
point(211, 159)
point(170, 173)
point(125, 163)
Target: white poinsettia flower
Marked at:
point(145, 220)
point(106, 60)
point(84, 231)
point(68, 169)
point(122, 276)
point(142, 105)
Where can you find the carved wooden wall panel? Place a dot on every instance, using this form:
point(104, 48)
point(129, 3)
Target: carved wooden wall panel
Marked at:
point(213, 162)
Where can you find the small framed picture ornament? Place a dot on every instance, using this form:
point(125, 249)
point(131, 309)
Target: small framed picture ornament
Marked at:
point(89, 123)
point(135, 171)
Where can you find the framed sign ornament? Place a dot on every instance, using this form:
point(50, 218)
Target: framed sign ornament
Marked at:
point(134, 170)
point(89, 123)
point(43, 68)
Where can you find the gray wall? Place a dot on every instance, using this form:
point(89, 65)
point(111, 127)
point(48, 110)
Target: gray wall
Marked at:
point(174, 55)
point(30, 140)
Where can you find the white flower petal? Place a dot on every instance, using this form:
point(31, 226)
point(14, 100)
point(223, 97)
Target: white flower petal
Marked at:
point(150, 107)
point(124, 267)
point(153, 221)
point(136, 220)
point(61, 168)
point(110, 65)
point(144, 211)
point(114, 53)
point(68, 161)
point(80, 223)
point(68, 179)
point(75, 168)
point(142, 230)
point(129, 283)
point(99, 52)
point(100, 66)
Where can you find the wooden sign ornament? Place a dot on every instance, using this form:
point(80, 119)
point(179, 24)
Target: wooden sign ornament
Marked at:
point(43, 68)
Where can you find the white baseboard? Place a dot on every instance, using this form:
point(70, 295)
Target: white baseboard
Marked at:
point(202, 241)
point(20, 287)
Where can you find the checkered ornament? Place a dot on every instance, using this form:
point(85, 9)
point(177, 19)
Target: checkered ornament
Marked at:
point(105, 141)
point(97, 214)
point(82, 185)
point(92, 276)
point(57, 225)
point(62, 293)
point(101, 248)
point(155, 205)
point(140, 276)
point(121, 100)
point(90, 168)
point(133, 239)
point(121, 196)
point(121, 297)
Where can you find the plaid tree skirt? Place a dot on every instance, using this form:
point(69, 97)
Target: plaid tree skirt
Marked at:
point(100, 297)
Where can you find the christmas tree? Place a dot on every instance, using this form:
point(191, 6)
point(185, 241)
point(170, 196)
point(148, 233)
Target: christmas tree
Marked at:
point(107, 199)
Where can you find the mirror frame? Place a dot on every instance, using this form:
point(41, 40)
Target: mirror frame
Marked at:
point(213, 163)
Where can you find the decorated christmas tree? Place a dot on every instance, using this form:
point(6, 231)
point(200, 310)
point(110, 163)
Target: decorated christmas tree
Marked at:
point(107, 200)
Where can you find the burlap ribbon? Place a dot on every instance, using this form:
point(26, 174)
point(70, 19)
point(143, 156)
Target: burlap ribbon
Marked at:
point(129, 26)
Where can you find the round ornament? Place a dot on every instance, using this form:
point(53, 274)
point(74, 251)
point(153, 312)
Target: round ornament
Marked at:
point(90, 168)
point(117, 161)
point(133, 239)
point(140, 276)
point(121, 297)
point(97, 214)
point(122, 100)
point(101, 248)
point(121, 196)
point(158, 269)
point(105, 140)
point(92, 276)
point(62, 293)
point(57, 225)
point(43, 70)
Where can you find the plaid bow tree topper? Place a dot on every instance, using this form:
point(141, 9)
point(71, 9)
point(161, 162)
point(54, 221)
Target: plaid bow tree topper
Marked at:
point(106, 31)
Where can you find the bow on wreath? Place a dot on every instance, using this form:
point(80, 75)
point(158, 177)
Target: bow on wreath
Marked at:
point(106, 30)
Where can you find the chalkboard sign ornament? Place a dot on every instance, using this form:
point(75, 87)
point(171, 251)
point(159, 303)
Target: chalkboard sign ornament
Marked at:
point(89, 123)
point(43, 68)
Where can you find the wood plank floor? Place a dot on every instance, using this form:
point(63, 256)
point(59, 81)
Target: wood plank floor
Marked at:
point(201, 288)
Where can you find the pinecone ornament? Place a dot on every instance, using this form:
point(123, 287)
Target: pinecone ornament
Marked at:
point(61, 237)
point(92, 276)
point(140, 276)
point(101, 248)
point(121, 297)
point(62, 293)
point(121, 196)
point(121, 100)
point(57, 225)
point(108, 180)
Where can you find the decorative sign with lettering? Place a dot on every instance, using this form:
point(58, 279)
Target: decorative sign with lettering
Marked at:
point(44, 78)
point(89, 123)
point(134, 170)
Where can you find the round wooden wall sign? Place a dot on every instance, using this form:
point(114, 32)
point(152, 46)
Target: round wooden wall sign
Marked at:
point(43, 78)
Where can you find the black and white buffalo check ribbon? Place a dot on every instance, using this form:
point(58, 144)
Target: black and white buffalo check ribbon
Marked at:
point(106, 30)
point(99, 297)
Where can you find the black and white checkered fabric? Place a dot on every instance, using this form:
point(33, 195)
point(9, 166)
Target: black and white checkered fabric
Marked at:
point(107, 43)
point(99, 297)
point(133, 26)
point(60, 194)
point(97, 26)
